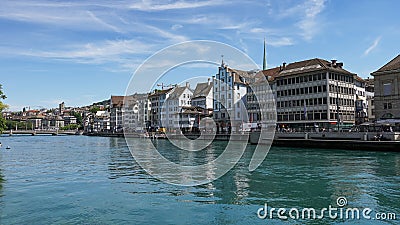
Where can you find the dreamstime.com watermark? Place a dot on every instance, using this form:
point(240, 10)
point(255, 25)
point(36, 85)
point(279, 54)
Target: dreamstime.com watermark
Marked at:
point(340, 211)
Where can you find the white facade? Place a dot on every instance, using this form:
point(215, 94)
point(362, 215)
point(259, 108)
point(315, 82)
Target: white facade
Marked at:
point(360, 98)
point(157, 99)
point(177, 98)
point(203, 95)
point(101, 121)
point(229, 90)
point(314, 94)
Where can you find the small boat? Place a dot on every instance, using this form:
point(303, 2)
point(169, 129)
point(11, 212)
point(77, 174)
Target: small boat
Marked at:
point(8, 147)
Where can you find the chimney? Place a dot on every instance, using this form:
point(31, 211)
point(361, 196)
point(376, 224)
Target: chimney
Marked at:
point(187, 84)
point(280, 67)
point(208, 81)
point(334, 62)
point(340, 65)
point(284, 65)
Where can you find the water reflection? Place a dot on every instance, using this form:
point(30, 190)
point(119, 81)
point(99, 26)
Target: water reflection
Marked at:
point(1, 183)
point(96, 180)
point(121, 162)
point(289, 177)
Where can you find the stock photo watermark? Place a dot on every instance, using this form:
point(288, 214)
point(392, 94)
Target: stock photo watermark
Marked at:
point(339, 211)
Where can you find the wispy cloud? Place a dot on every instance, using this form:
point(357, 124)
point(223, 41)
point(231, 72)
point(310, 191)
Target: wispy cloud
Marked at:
point(103, 23)
point(373, 46)
point(58, 15)
point(152, 6)
point(306, 14)
point(93, 53)
point(278, 42)
point(309, 23)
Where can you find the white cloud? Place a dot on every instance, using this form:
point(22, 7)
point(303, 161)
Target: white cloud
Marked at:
point(176, 27)
point(307, 15)
point(373, 46)
point(309, 24)
point(103, 23)
point(93, 53)
point(59, 15)
point(277, 42)
point(152, 6)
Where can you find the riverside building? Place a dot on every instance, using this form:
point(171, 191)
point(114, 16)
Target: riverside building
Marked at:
point(387, 91)
point(314, 94)
point(229, 90)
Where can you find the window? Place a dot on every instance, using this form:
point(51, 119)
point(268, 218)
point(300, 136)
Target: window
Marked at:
point(387, 105)
point(387, 89)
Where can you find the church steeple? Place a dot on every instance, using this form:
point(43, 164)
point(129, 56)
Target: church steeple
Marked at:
point(265, 57)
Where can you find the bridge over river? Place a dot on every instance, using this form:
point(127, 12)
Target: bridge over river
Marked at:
point(42, 132)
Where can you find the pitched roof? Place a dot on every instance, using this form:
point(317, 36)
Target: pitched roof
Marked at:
point(240, 74)
point(311, 65)
point(394, 64)
point(117, 101)
point(160, 92)
point(202, 89)
point(271, 73)
point(360, 79)
point(177, 92)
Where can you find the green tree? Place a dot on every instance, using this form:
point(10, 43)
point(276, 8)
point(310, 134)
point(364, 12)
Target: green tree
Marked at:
point(70, 127)
point(94, 109)
point(78, 117)
point(2, 107)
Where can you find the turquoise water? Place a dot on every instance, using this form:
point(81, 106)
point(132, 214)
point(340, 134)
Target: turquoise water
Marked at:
point(94, 180)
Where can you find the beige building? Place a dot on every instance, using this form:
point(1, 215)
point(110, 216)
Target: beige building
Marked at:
point(314, 93)
point(387, 90)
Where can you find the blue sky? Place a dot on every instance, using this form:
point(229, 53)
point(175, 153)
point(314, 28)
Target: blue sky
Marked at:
point(84, 51)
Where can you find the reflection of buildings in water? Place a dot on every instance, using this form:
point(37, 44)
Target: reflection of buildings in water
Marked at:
point(356, 178)
point(397, 164)
point(121, 162)
point(242, 186)
point(1, 183)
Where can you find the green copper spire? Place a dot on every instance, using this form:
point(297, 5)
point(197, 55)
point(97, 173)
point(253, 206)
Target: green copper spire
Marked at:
point(265, 57)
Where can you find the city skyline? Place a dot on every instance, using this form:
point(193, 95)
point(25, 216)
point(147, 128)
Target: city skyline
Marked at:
point(83, 52)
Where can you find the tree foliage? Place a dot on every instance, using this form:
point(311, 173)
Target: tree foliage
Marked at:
point(2, 107)
point(78, 117)
point(94, 109)
point(70, 127)
point(20, 125)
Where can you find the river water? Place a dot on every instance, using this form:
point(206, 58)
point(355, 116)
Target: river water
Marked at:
point(95, 180)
